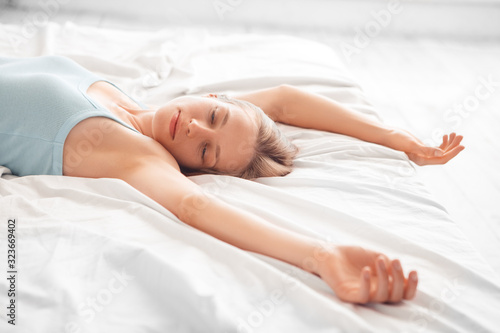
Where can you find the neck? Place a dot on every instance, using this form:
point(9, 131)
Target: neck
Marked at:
point(142, 121)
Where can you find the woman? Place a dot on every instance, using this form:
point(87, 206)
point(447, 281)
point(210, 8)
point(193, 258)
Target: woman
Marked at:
point(64, 120)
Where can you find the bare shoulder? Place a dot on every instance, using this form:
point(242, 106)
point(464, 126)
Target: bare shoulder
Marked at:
point(99, 147)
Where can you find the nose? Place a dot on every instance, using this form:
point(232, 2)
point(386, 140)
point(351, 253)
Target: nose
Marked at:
point(195, 128)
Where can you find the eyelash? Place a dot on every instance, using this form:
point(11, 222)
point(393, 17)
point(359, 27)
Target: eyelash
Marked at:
point(203, 152)
point(212, 121)
point(213, 116)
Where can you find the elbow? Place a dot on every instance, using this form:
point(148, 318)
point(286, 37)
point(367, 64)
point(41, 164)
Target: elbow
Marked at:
point(284, 90)
point(286, 96)
point(192, 207)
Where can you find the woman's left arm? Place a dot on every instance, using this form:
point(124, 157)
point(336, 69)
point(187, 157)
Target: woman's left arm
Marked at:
point(293, 106)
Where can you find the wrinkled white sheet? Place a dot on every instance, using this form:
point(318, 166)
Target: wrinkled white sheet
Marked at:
point(98, 256)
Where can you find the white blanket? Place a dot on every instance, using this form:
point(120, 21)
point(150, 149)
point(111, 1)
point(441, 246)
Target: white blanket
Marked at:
point(98, 256)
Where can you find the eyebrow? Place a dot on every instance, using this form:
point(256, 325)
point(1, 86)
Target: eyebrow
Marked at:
point(217, 150)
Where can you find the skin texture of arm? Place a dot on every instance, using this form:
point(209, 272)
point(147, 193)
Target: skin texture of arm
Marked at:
point(293, 106)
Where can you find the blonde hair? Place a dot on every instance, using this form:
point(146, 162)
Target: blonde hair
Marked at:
point(274, 153)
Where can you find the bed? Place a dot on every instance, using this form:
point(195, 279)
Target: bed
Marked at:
point(95, 255)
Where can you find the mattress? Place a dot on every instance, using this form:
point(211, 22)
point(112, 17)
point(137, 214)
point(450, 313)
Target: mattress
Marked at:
point(95, 255)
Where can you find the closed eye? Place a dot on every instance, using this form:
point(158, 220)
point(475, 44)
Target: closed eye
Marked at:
point(212, 118)
point(203, 152)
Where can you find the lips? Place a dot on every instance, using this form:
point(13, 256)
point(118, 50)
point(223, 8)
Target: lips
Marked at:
point(173, 124)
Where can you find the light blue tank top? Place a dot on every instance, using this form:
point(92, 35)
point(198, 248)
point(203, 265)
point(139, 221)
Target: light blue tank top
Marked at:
point(41, 100)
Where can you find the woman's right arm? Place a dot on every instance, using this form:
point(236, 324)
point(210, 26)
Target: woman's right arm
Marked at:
point(356, 275)
point(166, 185)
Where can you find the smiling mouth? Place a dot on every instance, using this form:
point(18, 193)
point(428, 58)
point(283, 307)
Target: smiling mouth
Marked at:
point(173, 124)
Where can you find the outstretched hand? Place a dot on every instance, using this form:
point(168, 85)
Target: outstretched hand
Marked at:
point(421, 154)
point(358, 275)
point(424, 155)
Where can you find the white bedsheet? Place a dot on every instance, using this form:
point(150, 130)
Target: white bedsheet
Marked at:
point(98, 256)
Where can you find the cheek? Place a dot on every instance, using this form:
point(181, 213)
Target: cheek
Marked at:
point(244, 140)
point(185, 154)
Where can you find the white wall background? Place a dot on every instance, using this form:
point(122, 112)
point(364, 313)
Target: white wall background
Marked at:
point(442, 18)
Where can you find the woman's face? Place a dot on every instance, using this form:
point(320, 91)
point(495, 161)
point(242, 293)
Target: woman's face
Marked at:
point(204, 132)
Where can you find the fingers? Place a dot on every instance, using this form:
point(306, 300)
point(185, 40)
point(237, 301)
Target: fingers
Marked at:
point(453, 142)
point(448, 141)
point(398, 282)
point(364, 290)
point(382, 290)
point(452, 148)
point(451, 154)
point(452, 137)
point(391, 285)
point(411, 285)
point(445, 142)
